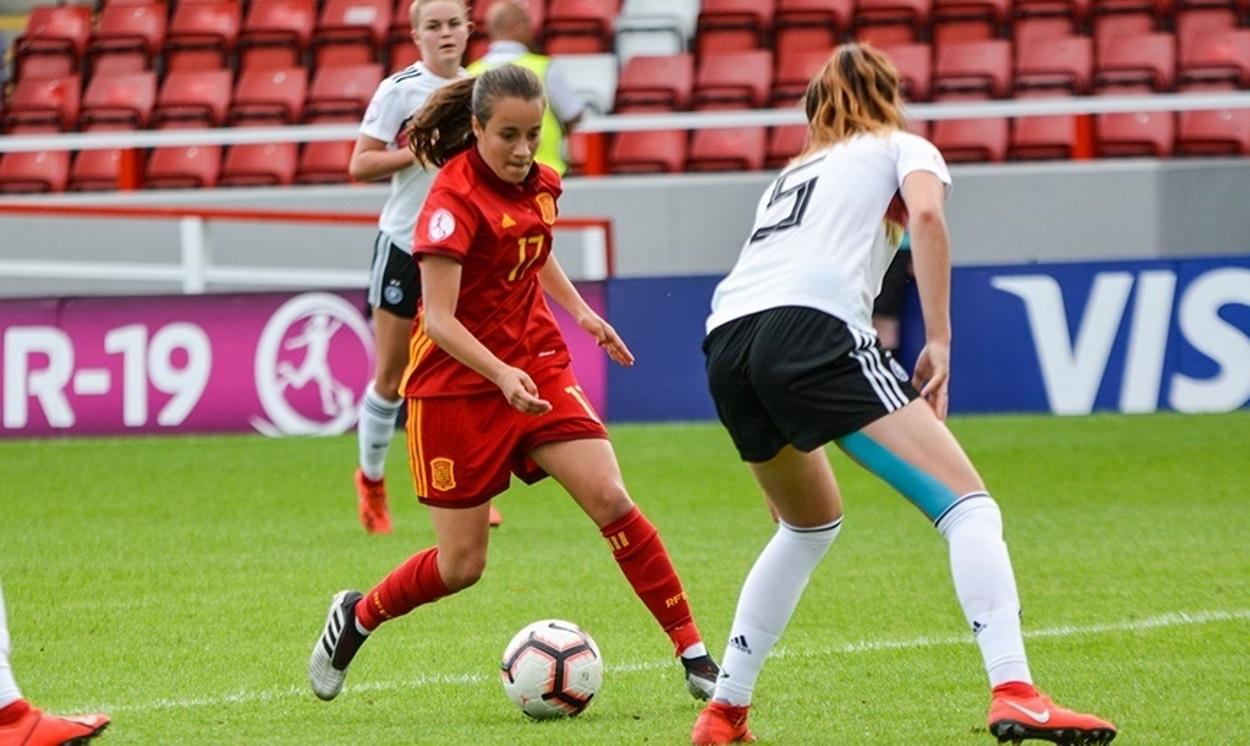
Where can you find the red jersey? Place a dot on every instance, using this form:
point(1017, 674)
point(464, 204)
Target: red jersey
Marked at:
point(501, 235)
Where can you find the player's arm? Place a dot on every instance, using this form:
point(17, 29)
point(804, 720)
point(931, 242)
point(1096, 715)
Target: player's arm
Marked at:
point(562, 291)
point(440, 290)
point(372, 161)
point(924, 195)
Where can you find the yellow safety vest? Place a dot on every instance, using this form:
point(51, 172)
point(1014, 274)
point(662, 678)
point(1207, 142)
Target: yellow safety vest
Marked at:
point(549, 150)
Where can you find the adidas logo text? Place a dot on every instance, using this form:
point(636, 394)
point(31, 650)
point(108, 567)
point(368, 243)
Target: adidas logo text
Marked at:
point(740, 642)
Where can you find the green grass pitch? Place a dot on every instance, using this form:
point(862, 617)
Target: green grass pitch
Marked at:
point(180, 583)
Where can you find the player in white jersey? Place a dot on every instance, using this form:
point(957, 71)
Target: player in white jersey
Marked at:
point(793, 364)
point(440, 29)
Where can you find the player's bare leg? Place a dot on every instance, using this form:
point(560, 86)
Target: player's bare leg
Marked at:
point(589, 471)
point(913, 451)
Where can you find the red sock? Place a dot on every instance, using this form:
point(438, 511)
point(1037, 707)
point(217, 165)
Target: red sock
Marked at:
point(1018, 689)
point(408, 586)
point(13, 711)
point(638, 550)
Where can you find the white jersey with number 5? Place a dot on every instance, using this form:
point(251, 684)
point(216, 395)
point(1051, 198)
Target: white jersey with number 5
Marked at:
point(818, 239)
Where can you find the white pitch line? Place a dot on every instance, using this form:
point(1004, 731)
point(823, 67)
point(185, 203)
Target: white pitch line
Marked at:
point(1161, 621)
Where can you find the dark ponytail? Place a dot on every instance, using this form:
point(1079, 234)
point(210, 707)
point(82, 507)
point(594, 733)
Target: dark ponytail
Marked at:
point(444, 126)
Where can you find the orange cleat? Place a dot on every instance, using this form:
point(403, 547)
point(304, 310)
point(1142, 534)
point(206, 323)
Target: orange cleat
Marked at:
point(371, 504)
point(496, 517)
point(721, 723)
point(1019, 712)
point(36, 728)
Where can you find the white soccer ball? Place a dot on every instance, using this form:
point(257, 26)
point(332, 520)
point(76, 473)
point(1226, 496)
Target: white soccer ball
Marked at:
point(551, 668)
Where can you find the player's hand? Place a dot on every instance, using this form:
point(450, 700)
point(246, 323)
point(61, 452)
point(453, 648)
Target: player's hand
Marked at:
point(607, 338)
point(519, 389)
point(932, 376)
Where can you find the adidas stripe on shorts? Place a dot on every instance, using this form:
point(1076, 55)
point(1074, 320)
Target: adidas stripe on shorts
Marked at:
point(394, 279)
point(801, 377)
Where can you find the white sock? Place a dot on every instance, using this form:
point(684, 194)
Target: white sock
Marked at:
point(769, 595)
point(9, 692)
point(375, 431)
point(986, 586)
point(697, 650)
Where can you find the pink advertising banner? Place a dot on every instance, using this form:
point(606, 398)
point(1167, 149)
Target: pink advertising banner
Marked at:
point(276, 363)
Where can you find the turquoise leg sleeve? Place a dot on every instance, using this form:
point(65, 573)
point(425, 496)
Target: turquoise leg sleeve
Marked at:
point(921, 488)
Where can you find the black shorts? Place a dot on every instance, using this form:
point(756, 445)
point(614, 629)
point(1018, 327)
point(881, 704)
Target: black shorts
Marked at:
point(894, 284)
point(394, 279)
point(800, 377)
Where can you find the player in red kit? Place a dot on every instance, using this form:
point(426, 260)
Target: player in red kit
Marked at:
point(483, 238)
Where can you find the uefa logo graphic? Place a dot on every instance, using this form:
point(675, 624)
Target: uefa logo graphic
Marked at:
point(312, 361)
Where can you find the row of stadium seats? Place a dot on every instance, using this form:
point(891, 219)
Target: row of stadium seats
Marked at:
point(746, 79)
point(1159, 134)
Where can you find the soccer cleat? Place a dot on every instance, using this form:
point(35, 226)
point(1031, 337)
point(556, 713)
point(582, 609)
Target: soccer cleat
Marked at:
point(496, 517)
point(701, 676)
point(371, 504)
point(1019, 712)
point(721, 723)
point(335, 648)
point(36, 728)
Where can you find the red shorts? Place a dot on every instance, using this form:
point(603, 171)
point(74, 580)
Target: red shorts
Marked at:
point(463, 450)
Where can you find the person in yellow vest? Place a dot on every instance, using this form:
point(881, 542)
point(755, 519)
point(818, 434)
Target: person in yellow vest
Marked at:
point(511, 31)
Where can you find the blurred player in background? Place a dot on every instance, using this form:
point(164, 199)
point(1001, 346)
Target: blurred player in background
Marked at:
point(511, 29)
point(484, 241)
point(24, 725)
point(440, 29)
point(793, 364)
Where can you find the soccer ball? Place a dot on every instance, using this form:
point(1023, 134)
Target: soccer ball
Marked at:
point(551, 669)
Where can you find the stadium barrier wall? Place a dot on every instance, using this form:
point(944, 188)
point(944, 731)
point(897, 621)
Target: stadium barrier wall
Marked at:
point(1131, 336)
point(277, 363)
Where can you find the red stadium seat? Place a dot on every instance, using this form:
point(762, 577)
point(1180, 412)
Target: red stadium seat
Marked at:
point(1116, 25)
point(259, 165)
point(324, 162)
point(995, 12)
point(908, 17)
point(734, 80)
point(1222, 57)
point(1160, 8)
point(1077, 10)
point(959, 30)
point(95, 170)
point(733, 25)
point(402, 54)
point(202, 34)
point(580, 26)
point(54, 41)
point(1200, 21)
point(1026, 30)
point(655, 82)
point(1146, 59)
point(1220, 132)
point(980, 67)
point(350, 31)
point(1148, 134)
point(276, 34)
point(342, 91)
point(784, 143)
point(835, 15)
point(662, 151)
point(1066, 64)
point(125, 99)
point(269, 97)
point(736, 149)
point(790, 40)
point(969, 140)
point(197, 97)
point(127, 37)
point(42, 171)
point(915, 68)
point(795, 72)
point(51, 101)
point(193, 167)
point(1045, 137)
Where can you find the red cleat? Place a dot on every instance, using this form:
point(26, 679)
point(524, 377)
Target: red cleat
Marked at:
point(1018, 711)
point(721, 723)
point(36, 728)
point(496, 517)
point(371, 504)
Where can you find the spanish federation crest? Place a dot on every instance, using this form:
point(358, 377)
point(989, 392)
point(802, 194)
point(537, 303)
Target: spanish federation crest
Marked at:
point(547, 206)
point(442, 474)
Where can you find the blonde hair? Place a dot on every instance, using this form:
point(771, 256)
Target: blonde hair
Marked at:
point(444, 126)
point(414, 10)
point(855, 93)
